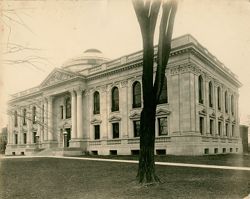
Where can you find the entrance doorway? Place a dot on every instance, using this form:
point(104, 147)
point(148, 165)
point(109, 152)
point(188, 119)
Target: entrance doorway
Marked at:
point(67, 137)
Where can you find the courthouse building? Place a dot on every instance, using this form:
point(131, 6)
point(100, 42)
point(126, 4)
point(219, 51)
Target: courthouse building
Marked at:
point(92, 105)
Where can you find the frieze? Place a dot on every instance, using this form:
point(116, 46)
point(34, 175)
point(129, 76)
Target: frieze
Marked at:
point(124, 83)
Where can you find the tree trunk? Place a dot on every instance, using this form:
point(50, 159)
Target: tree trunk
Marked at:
point(146, 169)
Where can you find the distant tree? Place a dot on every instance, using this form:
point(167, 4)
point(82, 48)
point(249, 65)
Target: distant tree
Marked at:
point(147, 12)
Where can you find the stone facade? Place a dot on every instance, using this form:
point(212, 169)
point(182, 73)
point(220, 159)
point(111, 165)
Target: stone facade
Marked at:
point(87, 106)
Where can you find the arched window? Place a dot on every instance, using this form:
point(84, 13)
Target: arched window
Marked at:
point(136, 94)
point(219, 98)
point(34, 114)
point(232, 104)
point(200, 85)
point(15, 119)
point(24, 116)
point(226, 102)
point(96, 102)
point(115, 99)
point(68, 107)
point(164, 93)
point(210, 94)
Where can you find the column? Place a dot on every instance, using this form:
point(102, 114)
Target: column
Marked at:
point(79, 133)
point(124, 108)
point(10, 130)
point(45, 127)
point(73, 115)
point(20, 141)
point(104, 112)
point(50, 118)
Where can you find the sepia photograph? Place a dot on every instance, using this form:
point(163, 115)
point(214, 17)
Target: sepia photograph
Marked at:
point(124, 99)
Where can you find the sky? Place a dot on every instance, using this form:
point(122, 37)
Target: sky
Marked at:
point(56, 31)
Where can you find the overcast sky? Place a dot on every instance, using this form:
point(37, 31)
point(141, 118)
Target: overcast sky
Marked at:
point(59, 30)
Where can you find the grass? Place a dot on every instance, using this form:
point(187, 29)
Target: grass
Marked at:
point(64, 178)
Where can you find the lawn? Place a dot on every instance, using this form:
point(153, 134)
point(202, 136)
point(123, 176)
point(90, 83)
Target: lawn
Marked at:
point(63, 178)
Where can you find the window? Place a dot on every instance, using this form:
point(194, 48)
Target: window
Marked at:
point(15, 119)
point(210, 94)
point(96, 102)
point(163, 125)
point(34, 137)
point(97, 132)
point(201, 125)
point(211, 124)
point(136, 128)
point(232, 104)
point(219, 128)
point(24, 138)
point(115, 128)
point(233, 129)
point(16, 138)
point(164, 93)
point(219, 98)
point(226, 102)
point(200, 85)
point(68, 107)
point(34, 114)
point(227, 130)
point(61, 110)
point(24, 117)
point(115, 99)
point(43, 113)
point(136, 95)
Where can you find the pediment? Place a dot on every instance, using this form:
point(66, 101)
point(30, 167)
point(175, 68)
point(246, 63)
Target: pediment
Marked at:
point(57, 76)
point(212, 115)
point(135, 115)
point(162, 112)
point(96, 121)
point(114, 119)
point(221, 117)
point(203, 112)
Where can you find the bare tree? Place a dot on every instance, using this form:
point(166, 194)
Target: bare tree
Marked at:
point(14, 53)
point(147, 12)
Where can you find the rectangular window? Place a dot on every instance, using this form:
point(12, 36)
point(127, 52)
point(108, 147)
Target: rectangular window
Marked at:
point(201, 125)
point(211, 124)
point(233, 129)
point(136, 128)
point(163, 126)
point(219, 128)
point(43, 113)
point(16, 138)
point(61, 110)
point(115, 128)
point(97, 132)
point(24, 138)
point(227, 129)
point(34, 137)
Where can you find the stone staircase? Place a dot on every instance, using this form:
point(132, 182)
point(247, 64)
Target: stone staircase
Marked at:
point(60, 152)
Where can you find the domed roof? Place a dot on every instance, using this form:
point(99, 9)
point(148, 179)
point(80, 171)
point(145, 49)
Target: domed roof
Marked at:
point(92, 50)
point(90, 58)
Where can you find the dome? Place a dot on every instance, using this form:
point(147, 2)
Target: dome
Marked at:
point(90, 58)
